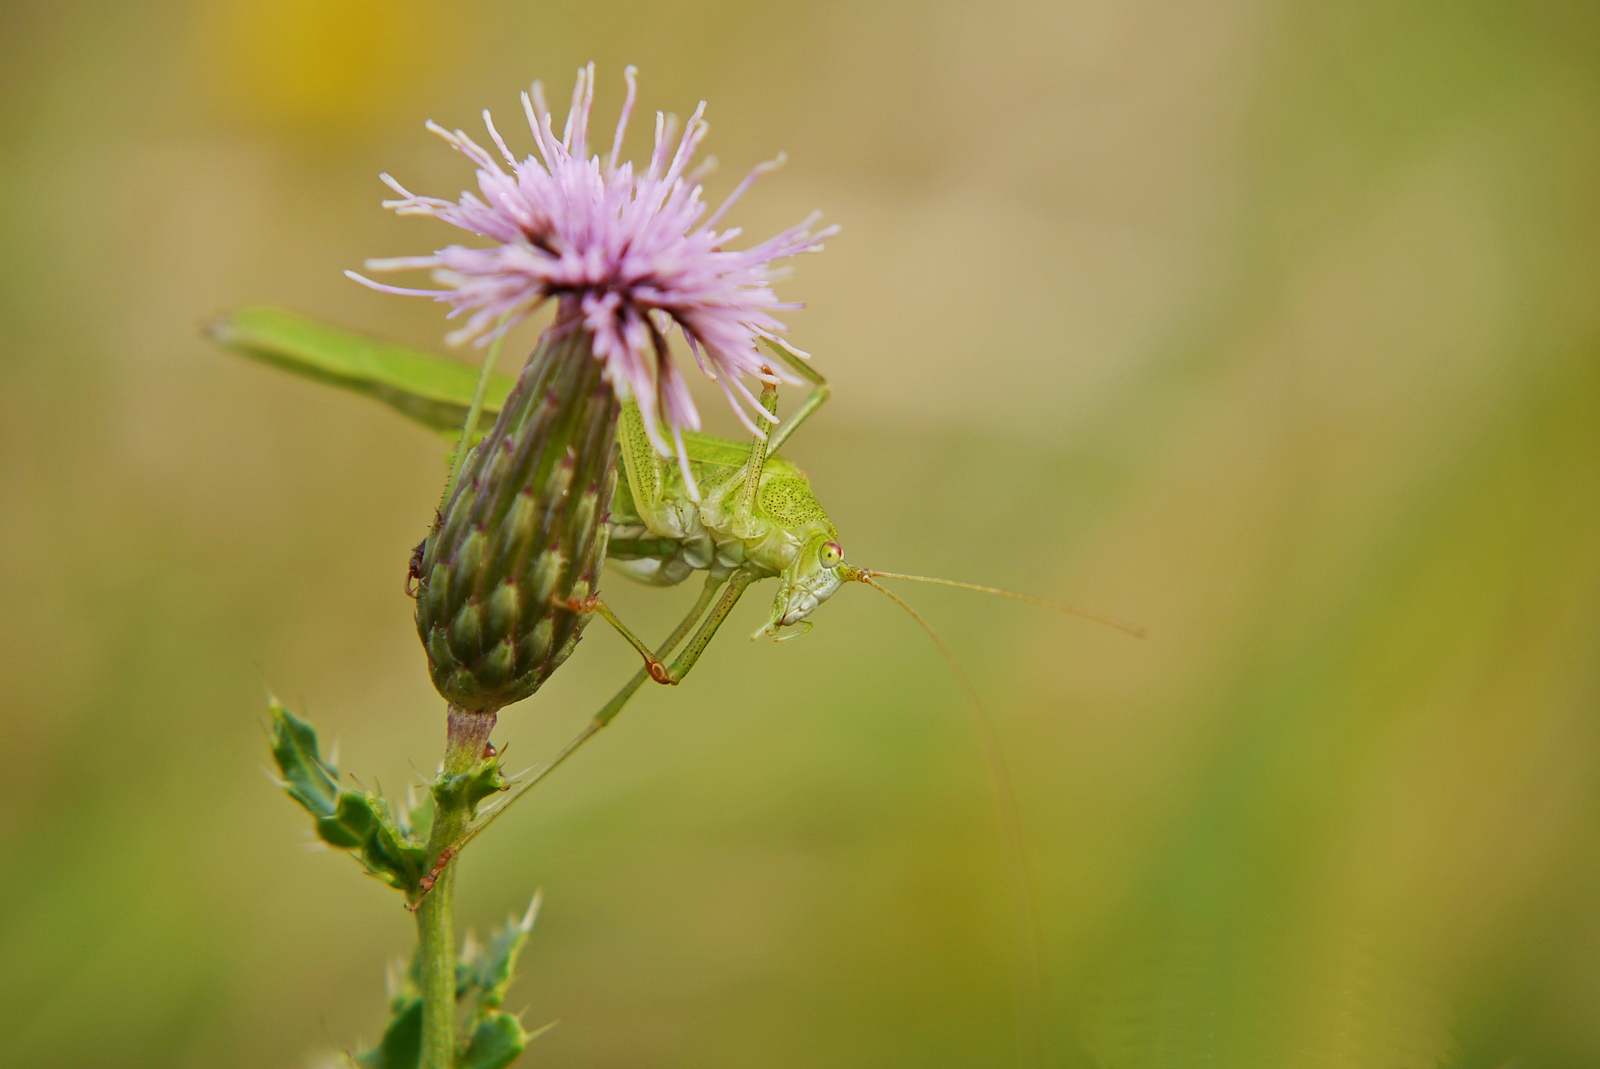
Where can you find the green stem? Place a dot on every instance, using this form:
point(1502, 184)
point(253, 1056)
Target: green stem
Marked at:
point(468, 732)
point(436, 938)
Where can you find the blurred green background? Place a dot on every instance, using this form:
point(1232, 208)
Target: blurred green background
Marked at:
point(1275, 327)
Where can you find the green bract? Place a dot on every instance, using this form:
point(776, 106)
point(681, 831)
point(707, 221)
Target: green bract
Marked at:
point(521, 533)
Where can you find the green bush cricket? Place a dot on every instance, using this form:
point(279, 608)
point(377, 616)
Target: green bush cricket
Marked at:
point(748, 515)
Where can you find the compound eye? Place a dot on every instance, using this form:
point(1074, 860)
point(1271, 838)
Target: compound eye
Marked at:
point(830, 554)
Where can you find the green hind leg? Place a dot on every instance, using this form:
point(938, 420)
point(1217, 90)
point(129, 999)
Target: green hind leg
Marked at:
point(738, 583)
point(762, 448)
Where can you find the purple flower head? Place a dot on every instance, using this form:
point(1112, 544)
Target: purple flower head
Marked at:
point(627, 255)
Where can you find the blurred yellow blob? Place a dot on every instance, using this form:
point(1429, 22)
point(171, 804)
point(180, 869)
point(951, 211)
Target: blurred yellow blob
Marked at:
point(313, 66)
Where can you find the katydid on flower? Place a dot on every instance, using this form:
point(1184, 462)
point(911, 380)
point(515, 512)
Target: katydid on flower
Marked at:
point(756, 518)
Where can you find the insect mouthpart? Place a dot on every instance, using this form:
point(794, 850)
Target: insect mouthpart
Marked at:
point(799, 608)
point(802, 591)
point(790, 609)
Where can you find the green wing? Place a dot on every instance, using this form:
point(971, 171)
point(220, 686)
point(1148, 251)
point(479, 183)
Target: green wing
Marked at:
point(718, 452)
point(432, 390)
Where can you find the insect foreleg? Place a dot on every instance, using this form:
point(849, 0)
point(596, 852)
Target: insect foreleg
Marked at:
point(814, 400)
point(737, 584)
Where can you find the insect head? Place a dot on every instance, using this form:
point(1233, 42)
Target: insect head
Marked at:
point(809, 580)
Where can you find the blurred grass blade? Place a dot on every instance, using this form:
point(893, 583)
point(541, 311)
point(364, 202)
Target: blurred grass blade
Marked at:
point(432, 390)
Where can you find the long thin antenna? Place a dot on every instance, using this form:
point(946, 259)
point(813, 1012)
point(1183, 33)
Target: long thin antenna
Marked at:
point(1110, 621)
point(1031, 966)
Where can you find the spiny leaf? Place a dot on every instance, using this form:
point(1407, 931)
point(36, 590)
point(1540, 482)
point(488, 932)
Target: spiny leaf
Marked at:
point(418, 821)
point(308, 779)
point(352, 820)
point(493, 1039)
point(496, 1042)
point(493, 966)
point(401, 1045)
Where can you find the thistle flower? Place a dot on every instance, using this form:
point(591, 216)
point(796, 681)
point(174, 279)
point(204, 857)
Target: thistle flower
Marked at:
point(518, 544)
point(630, 252)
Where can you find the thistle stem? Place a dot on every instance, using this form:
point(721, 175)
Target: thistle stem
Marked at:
point(468, 732)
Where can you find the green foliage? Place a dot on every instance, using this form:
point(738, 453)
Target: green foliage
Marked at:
point(494, 1038)
point(498, 1040)
point(388, 847)
point(391, 846)
point(489, 969)
point(470, 787)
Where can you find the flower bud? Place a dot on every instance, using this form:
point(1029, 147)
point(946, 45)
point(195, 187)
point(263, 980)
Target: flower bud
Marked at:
point(522, 532)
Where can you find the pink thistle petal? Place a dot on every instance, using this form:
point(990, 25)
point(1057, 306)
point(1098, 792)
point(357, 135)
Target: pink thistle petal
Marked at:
point(402, 291)
point(683, 465)
point(743, 187)
point(630, 74)
point(627, 254)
